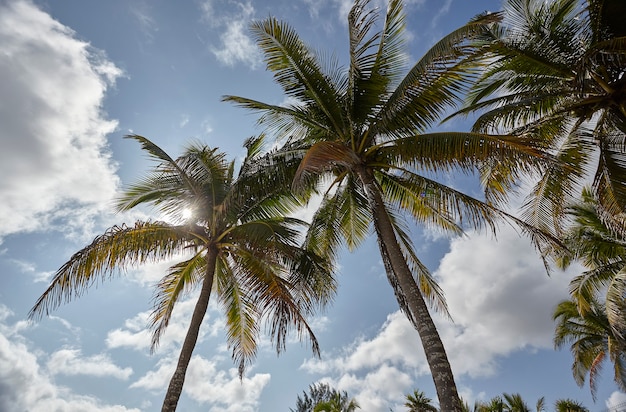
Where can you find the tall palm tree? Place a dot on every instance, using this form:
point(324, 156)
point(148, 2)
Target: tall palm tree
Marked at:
point(363, 128)
point(322, 397)
point(592, 342)
point(237, 244)
point(556, 75)
point(596, 239)
point(419, 402)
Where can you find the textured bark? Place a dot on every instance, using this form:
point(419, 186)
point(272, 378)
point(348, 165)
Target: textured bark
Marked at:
point(175, 387)
point(400, 275)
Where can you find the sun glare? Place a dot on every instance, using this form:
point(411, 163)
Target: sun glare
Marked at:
point(187, 213)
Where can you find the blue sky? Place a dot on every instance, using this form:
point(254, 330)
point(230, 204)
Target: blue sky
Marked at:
point(78, 75)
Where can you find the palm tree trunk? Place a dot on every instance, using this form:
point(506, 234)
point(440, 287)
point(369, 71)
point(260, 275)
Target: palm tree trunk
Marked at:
point(410, 299)
point(175, 387)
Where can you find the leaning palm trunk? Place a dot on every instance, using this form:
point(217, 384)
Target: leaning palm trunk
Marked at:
point(175, 387)
point(411, 300)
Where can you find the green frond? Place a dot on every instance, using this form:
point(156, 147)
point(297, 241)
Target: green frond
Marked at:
point(585, 287)
point(462, 151)
point(181, 278)
point(353, 212)
point(312, 279)
point(242, 314)
point(324, 236)
point(291, 120)
point(117, 249)
point(558, 185)
point(616, 306)
point(196, 180)
point(297, 70)
point(270, 291)
point(153, 150)
point(376, 59)
point(414, 196)
point(433, 84)
point(591, 337)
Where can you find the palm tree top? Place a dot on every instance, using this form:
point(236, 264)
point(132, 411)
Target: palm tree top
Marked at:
point(262, 273)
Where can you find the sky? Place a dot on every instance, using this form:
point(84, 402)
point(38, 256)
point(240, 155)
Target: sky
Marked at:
point(78, 75)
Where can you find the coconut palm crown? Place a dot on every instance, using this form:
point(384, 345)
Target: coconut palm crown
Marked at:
point(362, 129)
point(556, 76)
point(592, 340)
point(237, 244)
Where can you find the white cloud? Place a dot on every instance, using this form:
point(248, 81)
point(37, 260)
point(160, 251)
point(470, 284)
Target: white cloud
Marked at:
point(501, 300)
point(206, 383)
point(617, 399)
point(29, 268)
point(143, 14)
point(26, 386)
point(136, 334)
point(184, 120)
point(443, 10)
point(70, 362)
point(55, 163)
point(235, 46)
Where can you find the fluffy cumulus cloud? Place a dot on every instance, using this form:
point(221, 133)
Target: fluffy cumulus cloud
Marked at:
point(135, 334)
point(501, 300)
point(207, 382)
point(616, 402)
point(71, 362)
point(54, 150)
point(25, 385)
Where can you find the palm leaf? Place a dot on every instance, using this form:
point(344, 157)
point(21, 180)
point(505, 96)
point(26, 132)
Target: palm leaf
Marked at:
point(181, 278)
point(117, 249)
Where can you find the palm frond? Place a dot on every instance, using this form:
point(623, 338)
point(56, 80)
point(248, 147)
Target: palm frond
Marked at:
point(117, 249)
point(296, 69)
point(433, 84)
point(181, 278)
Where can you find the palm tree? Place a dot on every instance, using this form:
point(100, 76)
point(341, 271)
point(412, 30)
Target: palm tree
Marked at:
point(592, 342)
point(238, 244)
point(337, 404)
point(555, 76)
point(419, 402)
point(363, 128)
point(515, 403)
point(495, 404)
point(569, 405)
point(597, 240)
point(323, 398)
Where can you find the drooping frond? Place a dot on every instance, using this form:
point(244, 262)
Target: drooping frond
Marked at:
point(181, 278)
point(242, 315)
point(117, 249)
point(416, 199)
point(324, 157)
